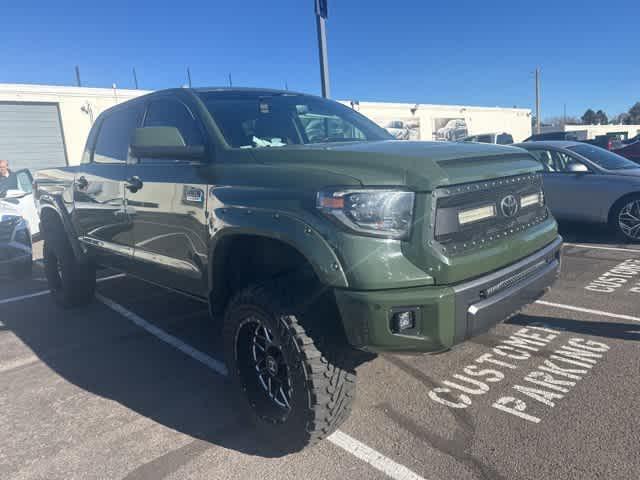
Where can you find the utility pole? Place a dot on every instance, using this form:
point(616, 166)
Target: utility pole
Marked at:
point(321, 18)
point(230, 82)
point(135, 78)
point(537, 100)
point(78, 76)
point(564, 114)
point(189, 77)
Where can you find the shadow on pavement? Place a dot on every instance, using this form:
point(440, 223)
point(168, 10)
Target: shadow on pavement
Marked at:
point(615, 330)
point(105, 355)
point(589, 233)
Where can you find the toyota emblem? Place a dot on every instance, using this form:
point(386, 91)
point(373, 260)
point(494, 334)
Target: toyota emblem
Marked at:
point(509, 206)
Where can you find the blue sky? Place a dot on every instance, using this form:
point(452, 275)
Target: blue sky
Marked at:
point(424, 51)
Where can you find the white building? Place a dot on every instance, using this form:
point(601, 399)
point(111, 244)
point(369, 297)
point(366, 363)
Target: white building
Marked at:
point(592, 131)
point(446, 122)
point(44, 125)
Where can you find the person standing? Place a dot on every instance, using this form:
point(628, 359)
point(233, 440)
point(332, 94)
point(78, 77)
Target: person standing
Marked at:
point(8, 180)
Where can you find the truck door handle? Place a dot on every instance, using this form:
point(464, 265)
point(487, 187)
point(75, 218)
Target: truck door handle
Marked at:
point(133, 184)
point(82, 183)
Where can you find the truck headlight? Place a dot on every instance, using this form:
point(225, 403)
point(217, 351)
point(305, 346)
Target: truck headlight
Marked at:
point(376, 212)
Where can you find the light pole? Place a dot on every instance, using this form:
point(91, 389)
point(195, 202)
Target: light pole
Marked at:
point(537, 100)
point(321, 17)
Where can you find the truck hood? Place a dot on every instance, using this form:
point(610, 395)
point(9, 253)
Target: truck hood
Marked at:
point(420, 166)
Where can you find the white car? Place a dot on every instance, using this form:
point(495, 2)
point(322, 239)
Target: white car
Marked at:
point(398, 129)
point(453, 130)
point(18, 224)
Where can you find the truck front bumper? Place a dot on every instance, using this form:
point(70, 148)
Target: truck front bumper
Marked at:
point(446, 315)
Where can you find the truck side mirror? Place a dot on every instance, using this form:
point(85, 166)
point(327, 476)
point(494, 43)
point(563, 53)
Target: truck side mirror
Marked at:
point(164, 142)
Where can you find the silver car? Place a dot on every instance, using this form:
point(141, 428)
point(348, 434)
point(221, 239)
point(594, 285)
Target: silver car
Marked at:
point(586, 183)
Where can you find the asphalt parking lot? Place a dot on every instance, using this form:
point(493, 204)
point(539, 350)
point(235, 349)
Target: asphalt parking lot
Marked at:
point(133, 387)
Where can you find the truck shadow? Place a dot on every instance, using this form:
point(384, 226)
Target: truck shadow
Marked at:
point(575, 232)
point(104, 354)
point(614, 330)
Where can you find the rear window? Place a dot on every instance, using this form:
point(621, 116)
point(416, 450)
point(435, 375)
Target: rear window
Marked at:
point(603, 158)
point(504, 139)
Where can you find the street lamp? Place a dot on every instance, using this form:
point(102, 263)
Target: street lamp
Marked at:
point(321, 17)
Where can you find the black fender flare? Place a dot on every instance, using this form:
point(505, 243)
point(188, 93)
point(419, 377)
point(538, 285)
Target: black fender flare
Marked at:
point(283, 227)
point(49, 203)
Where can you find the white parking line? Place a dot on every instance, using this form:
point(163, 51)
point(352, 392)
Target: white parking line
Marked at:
point(23, 297)
point(588, 310)
point(46, 292)
point(597, 247)
point(358, 449)
point(372, 457)
point(215, 365)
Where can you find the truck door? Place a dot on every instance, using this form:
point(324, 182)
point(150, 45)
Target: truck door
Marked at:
point(168, 211)
point(100, 211)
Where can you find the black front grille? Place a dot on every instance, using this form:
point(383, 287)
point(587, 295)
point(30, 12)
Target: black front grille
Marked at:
point(454, 237)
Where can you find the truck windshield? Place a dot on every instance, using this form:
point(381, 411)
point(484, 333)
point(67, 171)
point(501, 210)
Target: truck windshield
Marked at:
point(603, 158)
point(259, 120)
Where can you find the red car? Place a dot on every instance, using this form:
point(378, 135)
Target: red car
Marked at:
point(630, 151)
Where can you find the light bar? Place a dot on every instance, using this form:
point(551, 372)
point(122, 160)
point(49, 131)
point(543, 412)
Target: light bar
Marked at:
point(535, 199)
point(476, 214)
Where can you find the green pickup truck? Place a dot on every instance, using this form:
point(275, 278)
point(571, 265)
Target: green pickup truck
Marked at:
point(313, 235)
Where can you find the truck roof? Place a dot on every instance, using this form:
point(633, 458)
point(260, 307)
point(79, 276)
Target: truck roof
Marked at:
point(247, 90)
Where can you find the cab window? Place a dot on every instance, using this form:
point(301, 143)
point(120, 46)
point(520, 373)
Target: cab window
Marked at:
point(172, 113)
point(116, 133)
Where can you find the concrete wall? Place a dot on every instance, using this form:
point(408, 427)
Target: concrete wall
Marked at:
point(78, 106)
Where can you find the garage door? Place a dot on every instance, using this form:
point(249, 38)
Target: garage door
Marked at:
point(31, 135)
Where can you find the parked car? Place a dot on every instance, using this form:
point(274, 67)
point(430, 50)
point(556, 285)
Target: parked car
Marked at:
point(587, 183)
point(452, 130)
point(306, 251)
point(630, 150)
point(398, 129)
point(549, 136)
point(18, 223)
point(608, 141)
point(496, 138)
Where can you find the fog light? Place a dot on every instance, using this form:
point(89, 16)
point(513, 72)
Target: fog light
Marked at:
point(403, 320)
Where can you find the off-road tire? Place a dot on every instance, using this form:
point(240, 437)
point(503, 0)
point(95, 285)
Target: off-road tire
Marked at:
point(322, 375)
point(72, 283)
point(615, 214)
